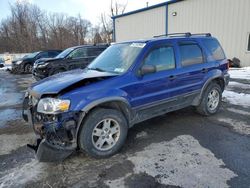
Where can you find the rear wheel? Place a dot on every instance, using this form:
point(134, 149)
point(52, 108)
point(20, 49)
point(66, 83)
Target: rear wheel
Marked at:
point(211, 100)
point(103, 133)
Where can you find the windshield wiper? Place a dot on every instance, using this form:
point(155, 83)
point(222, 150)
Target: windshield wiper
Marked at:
point(97, 69)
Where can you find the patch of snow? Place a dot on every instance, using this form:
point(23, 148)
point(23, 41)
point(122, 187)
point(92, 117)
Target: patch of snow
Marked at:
point(238, 126)
point(182, 162)
point(240, 85)
point(240, 99)
point(22, 174)
point(12, 142)
point(141, 134)
point(242, 112)
point(240, 73)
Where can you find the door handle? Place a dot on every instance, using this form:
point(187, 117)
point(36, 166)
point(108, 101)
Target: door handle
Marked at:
point(172, 77)
point(204, 70)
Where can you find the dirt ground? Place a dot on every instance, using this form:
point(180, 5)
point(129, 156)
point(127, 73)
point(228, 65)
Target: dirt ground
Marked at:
point(179, 149)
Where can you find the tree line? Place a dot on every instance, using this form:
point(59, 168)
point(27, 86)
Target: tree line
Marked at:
point(28, 29)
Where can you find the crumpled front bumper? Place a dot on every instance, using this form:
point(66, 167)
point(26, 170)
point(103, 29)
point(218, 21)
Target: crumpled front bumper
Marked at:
point(50, 146)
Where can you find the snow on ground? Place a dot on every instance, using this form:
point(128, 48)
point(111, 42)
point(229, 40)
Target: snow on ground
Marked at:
point(240, 99)
point(239, 85)
point(182, 162)
point(20, 175)
point(238, 126)
point(6, 67)
point(12, 142)
point(240, 73)
point(242, 112)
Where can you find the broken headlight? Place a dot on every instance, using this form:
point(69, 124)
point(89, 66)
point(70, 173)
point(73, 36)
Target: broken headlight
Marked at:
point(52, 106)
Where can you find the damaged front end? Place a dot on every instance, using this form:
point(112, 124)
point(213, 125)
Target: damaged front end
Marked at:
point(56, 132)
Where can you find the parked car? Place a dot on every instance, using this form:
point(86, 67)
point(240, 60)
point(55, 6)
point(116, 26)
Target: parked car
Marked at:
point(25, 64)
point(1, 63)
point(71, 58)
point(130, 82)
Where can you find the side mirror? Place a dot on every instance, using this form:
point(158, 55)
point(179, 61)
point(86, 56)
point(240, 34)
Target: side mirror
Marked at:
point(147, 69)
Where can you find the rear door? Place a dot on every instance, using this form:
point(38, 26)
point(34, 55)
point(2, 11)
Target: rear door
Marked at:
point(188, 78)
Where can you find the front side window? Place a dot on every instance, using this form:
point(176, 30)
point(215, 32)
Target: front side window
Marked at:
point(117, 58)
point(43, 55)
point(162, 58)
point(78, 53)
point(190, 54)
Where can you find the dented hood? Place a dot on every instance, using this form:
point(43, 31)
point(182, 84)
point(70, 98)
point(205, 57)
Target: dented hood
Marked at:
point(55, 84)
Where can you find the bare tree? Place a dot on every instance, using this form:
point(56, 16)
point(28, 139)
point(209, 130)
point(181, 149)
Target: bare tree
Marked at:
point(116, 8)
point(29, 28)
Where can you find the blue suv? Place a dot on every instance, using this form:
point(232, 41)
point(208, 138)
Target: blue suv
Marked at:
point(130, 82)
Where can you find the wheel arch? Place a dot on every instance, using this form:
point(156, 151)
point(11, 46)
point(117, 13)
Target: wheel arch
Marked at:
point(217, 79)
point(117, 103)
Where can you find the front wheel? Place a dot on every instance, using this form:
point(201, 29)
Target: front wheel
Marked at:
point(103, 133)
point(211, 100)
point(28, 68)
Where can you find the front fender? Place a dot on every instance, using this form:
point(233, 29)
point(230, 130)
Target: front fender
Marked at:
point(81, 102)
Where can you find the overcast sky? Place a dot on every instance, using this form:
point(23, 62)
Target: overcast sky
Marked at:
point(89, 9)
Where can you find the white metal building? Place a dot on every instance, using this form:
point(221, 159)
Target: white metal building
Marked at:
point(228, 20)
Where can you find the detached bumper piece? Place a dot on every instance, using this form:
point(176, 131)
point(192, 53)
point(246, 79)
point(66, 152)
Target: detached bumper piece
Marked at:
point(46, 152)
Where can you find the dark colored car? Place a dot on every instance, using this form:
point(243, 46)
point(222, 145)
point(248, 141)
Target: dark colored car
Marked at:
point(128, 83)
point(1, 63)
point(25, 64)
point(71, 58)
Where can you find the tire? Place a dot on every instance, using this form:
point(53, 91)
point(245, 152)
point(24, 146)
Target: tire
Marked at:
point(28, 68)
point(211, 100)
point(102, 122)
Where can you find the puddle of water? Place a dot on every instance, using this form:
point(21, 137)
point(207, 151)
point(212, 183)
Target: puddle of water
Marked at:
point(9, 115)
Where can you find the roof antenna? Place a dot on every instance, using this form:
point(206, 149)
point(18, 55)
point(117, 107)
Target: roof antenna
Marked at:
point(147, 4)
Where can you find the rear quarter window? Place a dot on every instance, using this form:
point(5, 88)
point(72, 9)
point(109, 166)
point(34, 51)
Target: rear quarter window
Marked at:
point(215, 49)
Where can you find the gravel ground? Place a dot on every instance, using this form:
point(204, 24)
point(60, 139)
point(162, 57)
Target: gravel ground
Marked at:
point(179, 149)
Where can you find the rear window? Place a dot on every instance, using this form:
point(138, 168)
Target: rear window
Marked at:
point(191, 54)
point(215, 48)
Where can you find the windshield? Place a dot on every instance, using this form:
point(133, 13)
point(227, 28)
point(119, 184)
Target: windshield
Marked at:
point(117, 58)
point(32, 55)
point(65, 53)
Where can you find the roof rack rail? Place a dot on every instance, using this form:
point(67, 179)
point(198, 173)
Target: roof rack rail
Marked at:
point(187, 34)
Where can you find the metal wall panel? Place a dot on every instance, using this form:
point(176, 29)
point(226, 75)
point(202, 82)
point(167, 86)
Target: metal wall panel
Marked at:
point(228, 20)
point(141, 25)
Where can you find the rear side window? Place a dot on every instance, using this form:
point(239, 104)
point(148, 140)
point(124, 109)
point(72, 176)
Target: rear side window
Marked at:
point(162, 58)
point(215, 49)
point(95, 51)
point(190, 54)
